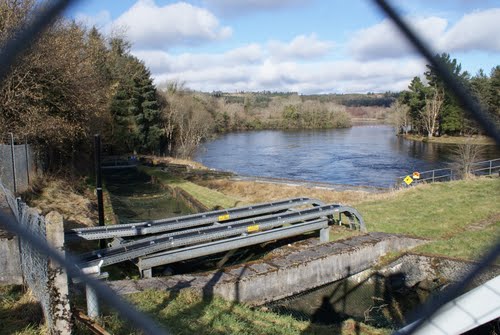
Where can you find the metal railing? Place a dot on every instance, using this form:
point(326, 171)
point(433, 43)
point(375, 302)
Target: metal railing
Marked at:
point(486, 168)
point(483, 168)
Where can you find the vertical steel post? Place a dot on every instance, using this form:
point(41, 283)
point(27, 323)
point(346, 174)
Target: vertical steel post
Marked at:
point(12, 155)
point(27, 160)
point(433, 175)
point(490, 167)
point(100, 202)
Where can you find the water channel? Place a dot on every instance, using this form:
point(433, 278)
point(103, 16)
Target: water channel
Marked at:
point(361, 155)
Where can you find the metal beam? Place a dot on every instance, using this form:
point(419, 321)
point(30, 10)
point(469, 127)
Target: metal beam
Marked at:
point(187, 221)
point(142, 248)
point(205, 249)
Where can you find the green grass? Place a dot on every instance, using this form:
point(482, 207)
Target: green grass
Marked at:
point(189, 313)
point(208, 197)
point(449, 214)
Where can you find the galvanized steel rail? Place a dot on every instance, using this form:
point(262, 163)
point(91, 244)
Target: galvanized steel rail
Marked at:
point(177, 255)
point(184, 222)
point(140, 248)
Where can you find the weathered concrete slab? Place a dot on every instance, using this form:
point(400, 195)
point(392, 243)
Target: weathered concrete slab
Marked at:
point(10, 261)
point(288, 271)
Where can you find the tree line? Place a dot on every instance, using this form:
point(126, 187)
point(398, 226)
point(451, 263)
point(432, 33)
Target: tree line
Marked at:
point(429, 108)
point(75, 82)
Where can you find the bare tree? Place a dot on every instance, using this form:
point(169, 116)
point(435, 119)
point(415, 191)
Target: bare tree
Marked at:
point(186, 121)
point(430, 113)
point(465, 154)
point(400, 117)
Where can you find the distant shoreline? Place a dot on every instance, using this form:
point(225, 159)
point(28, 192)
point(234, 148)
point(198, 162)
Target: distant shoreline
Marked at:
point(478, 139)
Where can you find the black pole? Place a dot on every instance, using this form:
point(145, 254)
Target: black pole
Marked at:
point(12, 155)
point(100, 204)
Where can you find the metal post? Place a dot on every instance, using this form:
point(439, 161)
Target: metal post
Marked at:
point(433, 175)
point(92, 303)
point(12, 155)
point(27, 160)
point(100, 202)
point(490, 167)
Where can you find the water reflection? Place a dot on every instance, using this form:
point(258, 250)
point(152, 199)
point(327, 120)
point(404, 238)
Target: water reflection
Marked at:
point(362, 155)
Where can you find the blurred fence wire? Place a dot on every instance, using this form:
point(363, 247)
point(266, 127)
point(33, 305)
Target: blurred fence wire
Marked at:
point(38, 248)
point(467, 100)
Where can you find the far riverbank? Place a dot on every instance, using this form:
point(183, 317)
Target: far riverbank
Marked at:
point(478, 139)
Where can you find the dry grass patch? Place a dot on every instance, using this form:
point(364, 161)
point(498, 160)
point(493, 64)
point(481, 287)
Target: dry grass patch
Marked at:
point(61, 196)
point(250, 192)
point(20, 313)
point(180, 161)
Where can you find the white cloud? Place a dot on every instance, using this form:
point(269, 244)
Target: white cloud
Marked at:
point(476, 31)
point(151, 26)
point(301, 47)
point(252, 68)
point(384, 40)
point(162, 61)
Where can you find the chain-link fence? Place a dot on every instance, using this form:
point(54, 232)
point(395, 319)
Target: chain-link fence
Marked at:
point(18, 164)
point(34, 264)
point(14, 47)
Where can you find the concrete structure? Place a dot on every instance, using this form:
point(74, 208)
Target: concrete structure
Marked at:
point(10, 259)
point(57, 278)
point(10, 262)
point(289, 270)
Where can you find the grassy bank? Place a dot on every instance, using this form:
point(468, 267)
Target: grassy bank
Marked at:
point(460, 218)
point(483, 140)
point(210, 198)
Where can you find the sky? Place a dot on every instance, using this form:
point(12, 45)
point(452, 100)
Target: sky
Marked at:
point(309, 47)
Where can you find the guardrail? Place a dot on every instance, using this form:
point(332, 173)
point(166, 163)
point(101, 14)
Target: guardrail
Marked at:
point(486, 168)
point(483, 168)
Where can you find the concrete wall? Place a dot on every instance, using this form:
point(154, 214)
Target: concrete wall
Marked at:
point(289, 270)
point(10, 266)
point(320, 265)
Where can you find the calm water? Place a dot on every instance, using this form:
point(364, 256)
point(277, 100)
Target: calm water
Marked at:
point(361, 155)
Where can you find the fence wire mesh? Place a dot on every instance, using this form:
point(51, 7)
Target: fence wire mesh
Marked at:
point(33, 237)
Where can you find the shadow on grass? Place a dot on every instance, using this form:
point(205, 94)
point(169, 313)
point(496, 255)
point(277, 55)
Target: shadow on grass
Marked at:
point(19, 312)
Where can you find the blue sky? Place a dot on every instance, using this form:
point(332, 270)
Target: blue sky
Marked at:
point(311, 46)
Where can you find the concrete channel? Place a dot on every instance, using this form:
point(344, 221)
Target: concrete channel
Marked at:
point(285, 272)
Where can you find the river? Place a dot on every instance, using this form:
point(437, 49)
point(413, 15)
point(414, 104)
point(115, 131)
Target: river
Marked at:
point(362, 155)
